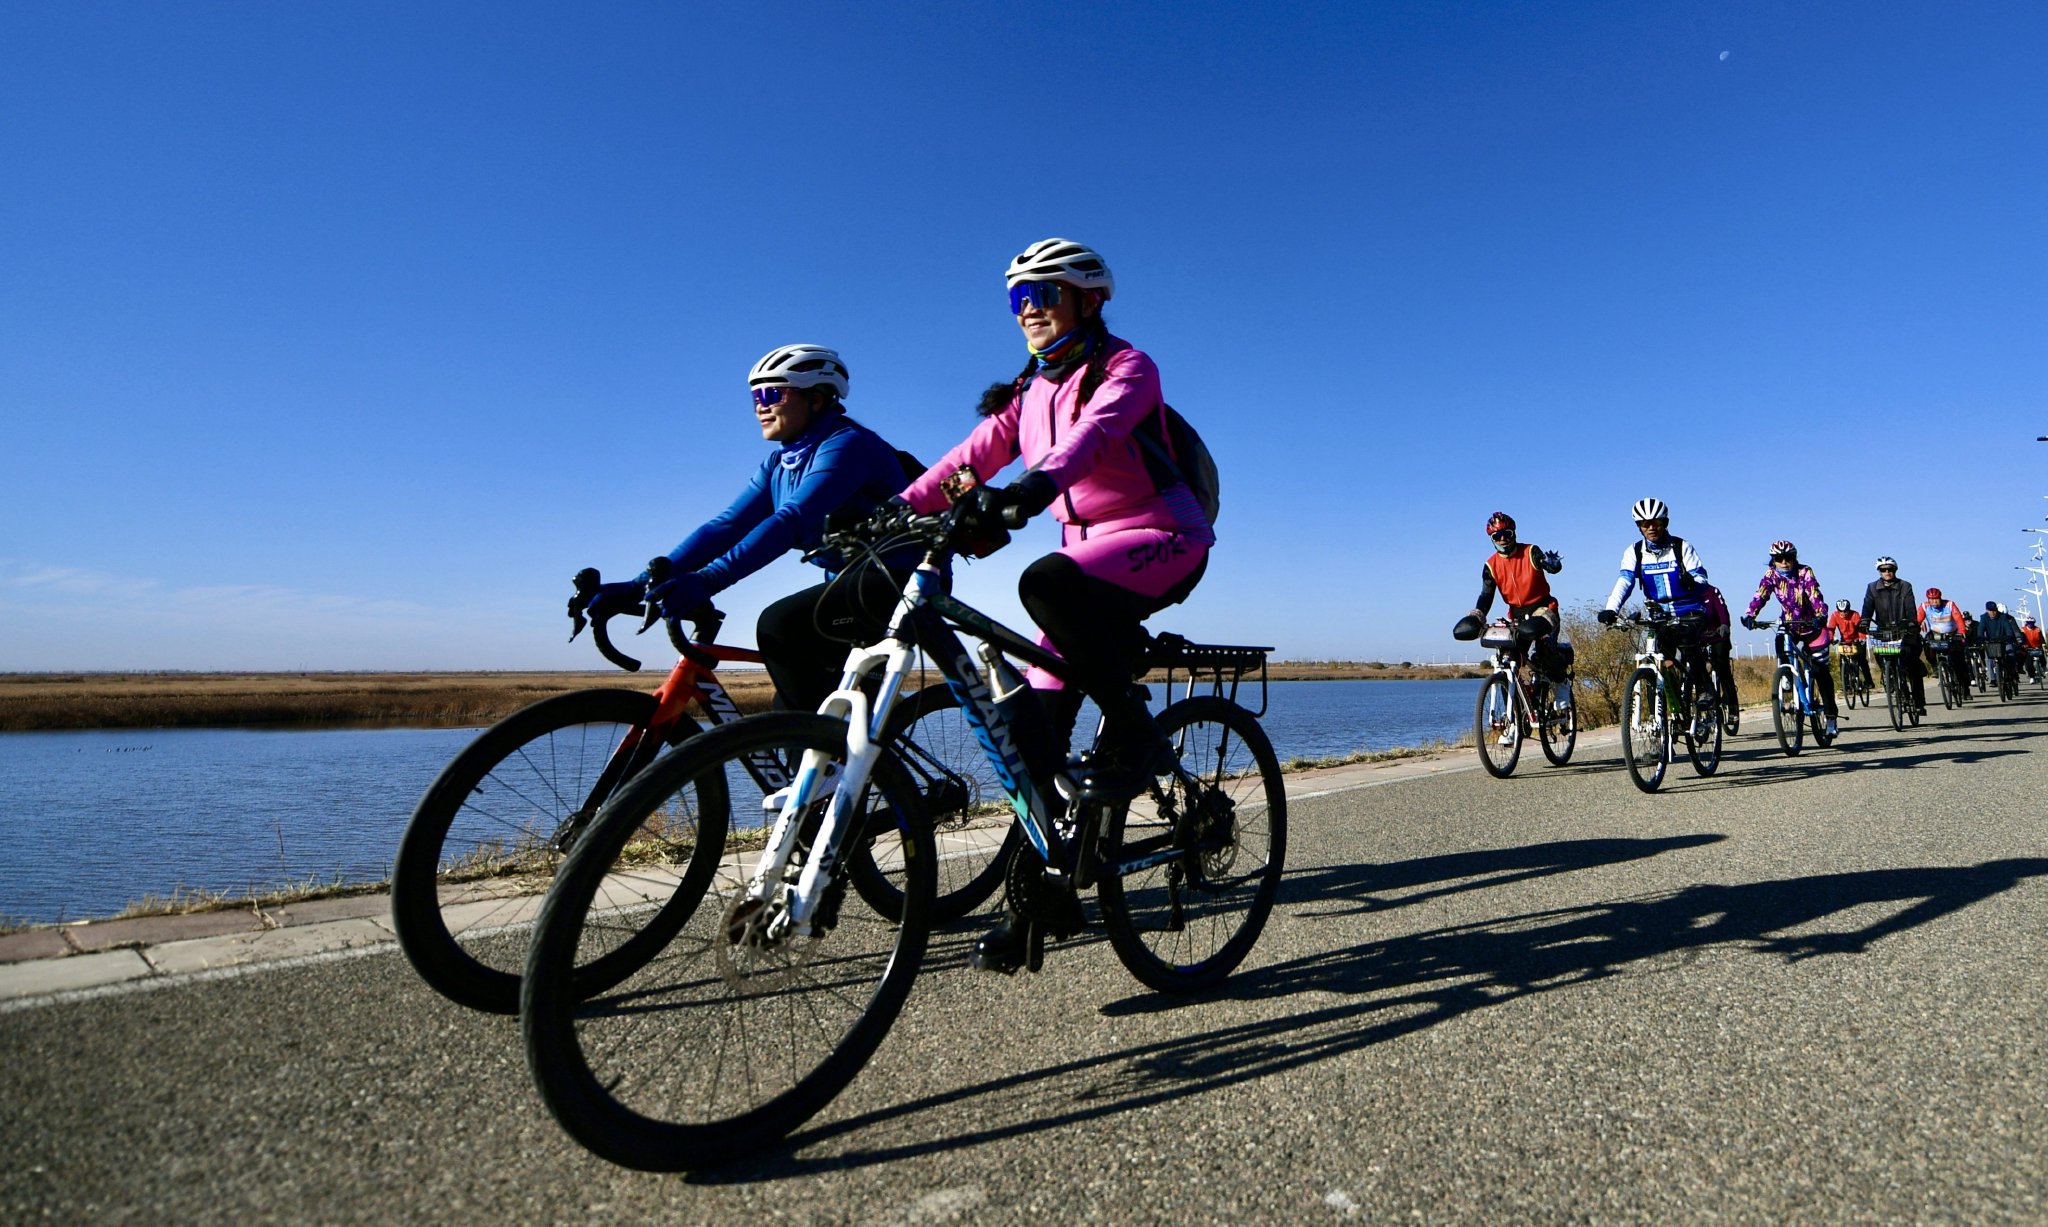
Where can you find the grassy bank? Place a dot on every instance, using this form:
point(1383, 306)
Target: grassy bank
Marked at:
point(48, 701)
point(33, 701)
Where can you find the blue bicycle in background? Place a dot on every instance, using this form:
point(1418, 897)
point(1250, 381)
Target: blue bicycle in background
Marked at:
point(1794, 709)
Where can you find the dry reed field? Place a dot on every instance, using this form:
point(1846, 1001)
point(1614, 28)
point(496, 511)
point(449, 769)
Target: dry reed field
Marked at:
point(30, 701)
point(39, 701)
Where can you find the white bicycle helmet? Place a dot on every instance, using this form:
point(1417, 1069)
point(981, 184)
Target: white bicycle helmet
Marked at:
point(1062, 260)
point(1650, 509)
point(800, 366)
point(1886, 560)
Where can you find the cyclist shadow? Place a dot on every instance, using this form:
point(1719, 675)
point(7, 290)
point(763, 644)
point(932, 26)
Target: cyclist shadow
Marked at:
point(1390, 989)
point(1352, 889)
point(1763, 766)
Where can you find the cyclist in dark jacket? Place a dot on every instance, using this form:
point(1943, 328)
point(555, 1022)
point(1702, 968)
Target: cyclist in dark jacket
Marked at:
point(1890, 612)
point(2000, 636)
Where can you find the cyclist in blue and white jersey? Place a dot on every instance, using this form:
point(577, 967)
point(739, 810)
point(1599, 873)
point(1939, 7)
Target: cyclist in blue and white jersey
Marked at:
point(1671, 574)
point(1668, 568)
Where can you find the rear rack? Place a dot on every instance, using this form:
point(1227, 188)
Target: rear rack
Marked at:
point(1219, 666)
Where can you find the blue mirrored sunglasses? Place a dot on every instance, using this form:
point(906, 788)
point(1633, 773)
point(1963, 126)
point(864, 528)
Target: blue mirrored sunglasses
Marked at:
point(764, 397)
point(1040, 294)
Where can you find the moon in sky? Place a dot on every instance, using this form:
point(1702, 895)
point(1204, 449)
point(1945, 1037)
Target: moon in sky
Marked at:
point(1724, 55)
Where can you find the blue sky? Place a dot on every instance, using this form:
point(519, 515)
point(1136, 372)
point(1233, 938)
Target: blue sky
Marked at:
point(340, 335)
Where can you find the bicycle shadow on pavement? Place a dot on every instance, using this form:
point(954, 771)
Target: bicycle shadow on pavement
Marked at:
point(1405, 985)
point(1352, 889)
point(1773, 766)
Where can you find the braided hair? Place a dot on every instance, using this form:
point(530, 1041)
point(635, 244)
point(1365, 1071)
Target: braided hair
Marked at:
point(1094, 334)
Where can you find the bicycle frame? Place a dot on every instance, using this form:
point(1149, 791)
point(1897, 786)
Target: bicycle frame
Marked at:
point(694, 679)
point(1687, 659)
point(1794, 657)
point(925, 617)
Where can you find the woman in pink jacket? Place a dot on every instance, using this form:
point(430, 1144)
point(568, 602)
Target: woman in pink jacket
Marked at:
point(1130, 543)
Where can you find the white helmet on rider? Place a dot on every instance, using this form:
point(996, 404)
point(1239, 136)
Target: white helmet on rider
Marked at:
point(1065, 261)
point(1886, 560)
point(1650, 509)
point(800, 366)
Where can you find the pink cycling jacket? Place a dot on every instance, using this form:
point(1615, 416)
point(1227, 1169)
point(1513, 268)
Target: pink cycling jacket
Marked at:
point(1087, 450)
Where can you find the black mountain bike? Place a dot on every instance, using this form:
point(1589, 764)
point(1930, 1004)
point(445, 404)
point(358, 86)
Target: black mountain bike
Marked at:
point(1887, 648)
point(1948, 669)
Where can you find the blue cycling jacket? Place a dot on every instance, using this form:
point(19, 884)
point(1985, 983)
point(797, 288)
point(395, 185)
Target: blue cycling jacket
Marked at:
point(1670, 576)
point(837, 463)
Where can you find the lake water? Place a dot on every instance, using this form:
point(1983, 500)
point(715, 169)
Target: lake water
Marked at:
point(99, 819)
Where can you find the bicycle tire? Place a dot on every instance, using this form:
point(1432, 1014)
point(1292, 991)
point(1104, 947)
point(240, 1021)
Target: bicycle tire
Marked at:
point(1896, 699)
point(482, 846)
point(1560, 733)
point(1786, 716)
point(1493, 718)
point(1817, 724)
point(973, 827)
point(1942, 673)
point(1645, 729)
point(1184, 924)
point(676, 1070)
point(1705, 759)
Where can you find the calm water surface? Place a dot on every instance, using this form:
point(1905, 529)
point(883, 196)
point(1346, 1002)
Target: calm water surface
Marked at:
point(99, 819)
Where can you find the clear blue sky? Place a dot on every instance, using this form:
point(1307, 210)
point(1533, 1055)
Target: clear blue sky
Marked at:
point(340, 335)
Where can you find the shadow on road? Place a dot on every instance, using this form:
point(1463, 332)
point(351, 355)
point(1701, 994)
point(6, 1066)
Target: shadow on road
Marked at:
point(1770, 765)
point(1389, 989)
point(1350, 889)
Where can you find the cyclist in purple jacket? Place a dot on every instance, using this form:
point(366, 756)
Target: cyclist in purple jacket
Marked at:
point(1806, 615)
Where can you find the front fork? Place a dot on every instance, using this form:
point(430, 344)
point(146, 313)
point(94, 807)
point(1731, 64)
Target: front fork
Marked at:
point(778, 907)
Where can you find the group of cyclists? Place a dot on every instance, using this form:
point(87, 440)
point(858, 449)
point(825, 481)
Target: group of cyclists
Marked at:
point(1132, 541)
point(1672, 577)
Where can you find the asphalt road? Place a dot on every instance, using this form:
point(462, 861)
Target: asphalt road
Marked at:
point(1805, 990)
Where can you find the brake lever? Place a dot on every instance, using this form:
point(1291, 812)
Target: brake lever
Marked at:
point(586, 584)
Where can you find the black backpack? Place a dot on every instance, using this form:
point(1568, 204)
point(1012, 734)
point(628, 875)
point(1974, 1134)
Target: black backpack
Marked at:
point(1176, 455)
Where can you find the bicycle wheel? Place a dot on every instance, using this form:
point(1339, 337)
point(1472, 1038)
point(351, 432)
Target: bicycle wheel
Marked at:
point(1896, 698)
point(1495, 729)
point(1942, 673)
point(1786, 716)
point(1560, 726)
point(1703, 739)
point(1645, 731)
point(738, 1030)
point(1817, 724)
point(1190, 871)
point(973, 826)
point(486, 840)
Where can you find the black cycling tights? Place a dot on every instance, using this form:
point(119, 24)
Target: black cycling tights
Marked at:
point(805, 661)
point(1099, 631)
